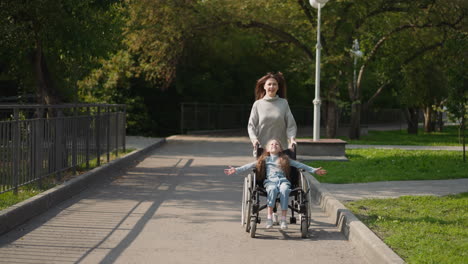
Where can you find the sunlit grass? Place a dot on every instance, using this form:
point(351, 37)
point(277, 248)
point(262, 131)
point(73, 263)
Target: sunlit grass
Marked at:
point(420, 229)
point(448, 137)
point(27, 191)
point(370, 165)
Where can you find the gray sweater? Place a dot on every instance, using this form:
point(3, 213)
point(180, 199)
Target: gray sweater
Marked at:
point(271, 118)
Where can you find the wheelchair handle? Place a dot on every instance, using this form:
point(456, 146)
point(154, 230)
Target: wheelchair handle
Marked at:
point(257, 146)
point(294, 150)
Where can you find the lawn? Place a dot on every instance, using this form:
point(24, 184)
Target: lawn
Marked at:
point(449, 137)
point(370, 165)
point(420, 229)
point(27, 191)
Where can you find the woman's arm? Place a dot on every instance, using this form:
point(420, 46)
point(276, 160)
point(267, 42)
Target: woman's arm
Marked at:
point(291, 127)
point(252, 126)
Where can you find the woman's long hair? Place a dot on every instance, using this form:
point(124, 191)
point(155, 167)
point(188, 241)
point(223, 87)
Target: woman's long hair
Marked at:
point(260, 90)
point(283, 160)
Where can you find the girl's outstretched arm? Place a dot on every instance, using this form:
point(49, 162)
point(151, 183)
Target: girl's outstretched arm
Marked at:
point(297, 164)
point(241, 169)
point(320, 171)
point(230, 171)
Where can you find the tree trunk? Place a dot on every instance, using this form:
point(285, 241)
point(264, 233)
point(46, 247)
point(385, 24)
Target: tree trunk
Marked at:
point(439, 125)
point(428, 119)
point(332, 113)
point(463, 136)
point(45, 90)
point(355, 126)
point(412, 119)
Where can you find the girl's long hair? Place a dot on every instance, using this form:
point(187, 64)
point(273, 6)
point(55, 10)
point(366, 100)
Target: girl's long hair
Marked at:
point(259, 87)
point(283, 160)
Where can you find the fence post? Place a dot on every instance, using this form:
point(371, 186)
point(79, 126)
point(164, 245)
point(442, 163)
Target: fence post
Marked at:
point(16, 149)
point(98, 135)
point(182, 118)
point(108, 132)
point(116, 131)
point(74, 127)
point(196, 116)
point(88, 128)
point(124, 126)
point(37, 152)
point(58, 144)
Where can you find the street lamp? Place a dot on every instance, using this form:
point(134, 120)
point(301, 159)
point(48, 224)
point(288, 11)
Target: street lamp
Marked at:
point(356, 53)
point(317, 4)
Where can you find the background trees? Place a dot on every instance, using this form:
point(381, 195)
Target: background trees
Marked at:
point(47, 46)
point(154, 54)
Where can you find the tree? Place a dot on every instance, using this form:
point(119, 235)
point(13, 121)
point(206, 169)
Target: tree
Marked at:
point(50, 44)
point(457, 77)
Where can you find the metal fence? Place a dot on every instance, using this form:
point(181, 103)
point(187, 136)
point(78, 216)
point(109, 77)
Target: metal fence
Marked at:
point(210, 116)
point(37, 141)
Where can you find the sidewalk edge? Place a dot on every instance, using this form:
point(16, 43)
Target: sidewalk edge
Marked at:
point(27, 209)
point(369, 244)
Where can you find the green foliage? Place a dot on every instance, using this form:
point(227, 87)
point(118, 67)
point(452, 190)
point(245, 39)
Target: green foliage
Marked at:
point(8, 199)
point(449, 137)
point(457, 102)
point(425, 229)
point(70, 34)
point(370, 165)
point(207, 49)
point(27, 191)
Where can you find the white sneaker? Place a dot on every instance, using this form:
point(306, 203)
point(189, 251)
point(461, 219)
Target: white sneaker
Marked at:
point(269, 224)
point(283, 225)
point(275, 219)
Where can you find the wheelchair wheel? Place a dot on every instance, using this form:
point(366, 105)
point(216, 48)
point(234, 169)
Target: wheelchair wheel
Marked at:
point(247, 210)
point(304, 228)
point(253, 227)
point(305, 210)
point(244, 201)
point(309, 204)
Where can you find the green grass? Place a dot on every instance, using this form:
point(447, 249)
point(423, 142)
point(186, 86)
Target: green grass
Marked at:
point(27, 191)
point(449, 137)
point(420, 229)
point(370, 165)
point(8, 199)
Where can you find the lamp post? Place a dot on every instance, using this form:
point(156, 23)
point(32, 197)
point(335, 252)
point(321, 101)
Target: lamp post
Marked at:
point(318, 4)
point(356, 53)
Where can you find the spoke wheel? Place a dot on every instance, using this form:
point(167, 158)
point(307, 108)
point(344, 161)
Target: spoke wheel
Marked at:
point(248, 203)
point(253, 227)
point(304, 228)
point(244, 202)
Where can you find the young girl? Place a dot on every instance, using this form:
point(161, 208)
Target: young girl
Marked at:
point(273, 166)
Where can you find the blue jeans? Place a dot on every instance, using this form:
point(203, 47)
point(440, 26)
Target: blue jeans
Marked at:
point(281, 187)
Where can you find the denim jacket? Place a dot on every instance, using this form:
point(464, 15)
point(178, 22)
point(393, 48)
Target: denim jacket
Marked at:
point(274, 174)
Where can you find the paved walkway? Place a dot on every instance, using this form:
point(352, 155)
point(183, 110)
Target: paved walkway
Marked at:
point(176, 206)
point(391, 189)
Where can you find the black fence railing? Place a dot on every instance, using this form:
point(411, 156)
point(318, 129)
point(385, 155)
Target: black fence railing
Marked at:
point(37, 141)
point(210, 116)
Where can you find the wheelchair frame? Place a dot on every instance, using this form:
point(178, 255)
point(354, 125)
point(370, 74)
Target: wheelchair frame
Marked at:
point(251, 207)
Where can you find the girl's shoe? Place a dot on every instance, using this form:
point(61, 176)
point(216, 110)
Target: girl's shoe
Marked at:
point(275, 219)
point(269, 223)
point(283, 225)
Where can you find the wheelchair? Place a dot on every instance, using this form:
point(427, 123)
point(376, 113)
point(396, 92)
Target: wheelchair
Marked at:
point(300, 198)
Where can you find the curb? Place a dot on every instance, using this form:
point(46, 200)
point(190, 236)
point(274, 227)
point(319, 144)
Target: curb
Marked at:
point(368, 244)
point(27, 209)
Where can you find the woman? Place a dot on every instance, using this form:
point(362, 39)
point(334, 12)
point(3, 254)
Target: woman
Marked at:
point(270, 116)
point(274, 168)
